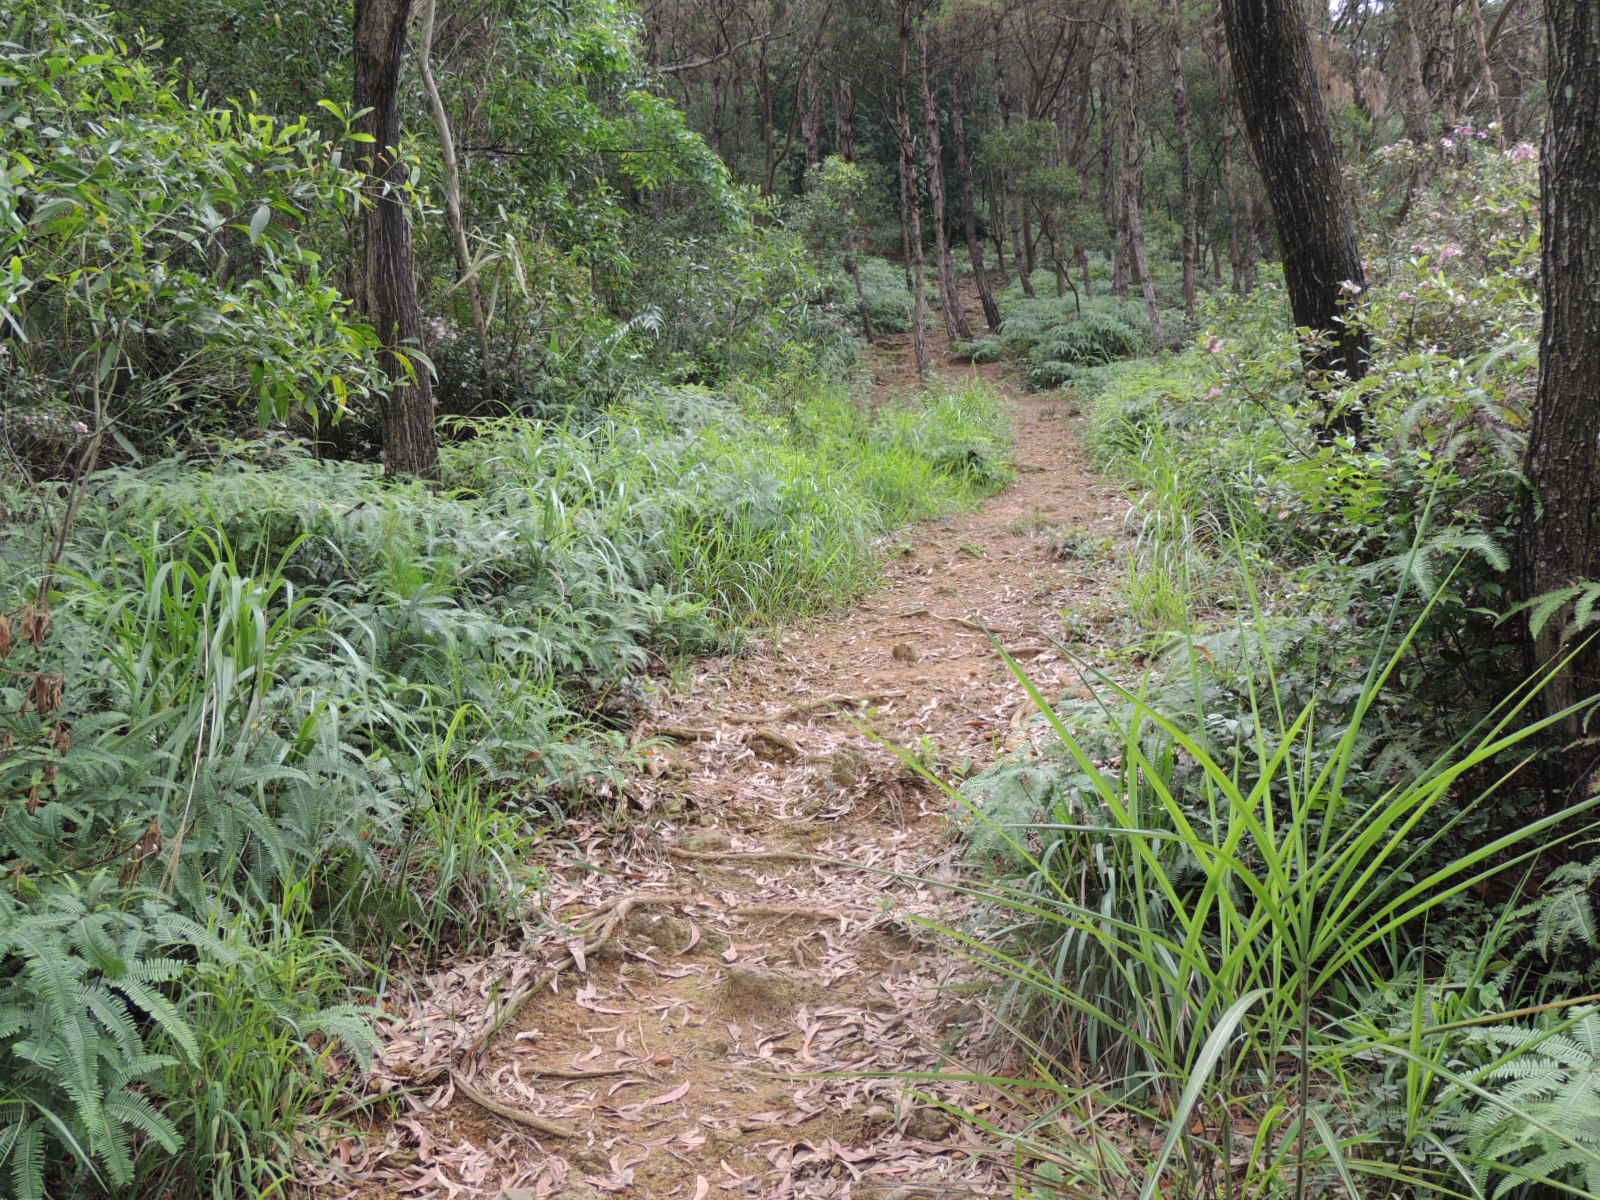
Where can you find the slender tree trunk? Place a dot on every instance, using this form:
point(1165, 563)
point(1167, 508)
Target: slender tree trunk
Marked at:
point(969, 216)
point(853, 267)
point(910, 198)
point(1287, 121)
point(1186, 182)
point(1019, 255)
point(955, 320)
point(1130, 187)
point(1561, 522)
point(844, 121)
point(409, 443)
point(998, 229)
point(810, 100)
point(1415, 108)
point(455, 218)
point(1480, 39)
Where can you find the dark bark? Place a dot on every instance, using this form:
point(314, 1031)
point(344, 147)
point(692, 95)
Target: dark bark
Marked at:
point(1286, 120)
point(390, 299)
point(1561, 526)
point(969, 217)
point(955, 319)
point(910, 199)
point(1130, 219)
point(853, 266)
point(1186, 183)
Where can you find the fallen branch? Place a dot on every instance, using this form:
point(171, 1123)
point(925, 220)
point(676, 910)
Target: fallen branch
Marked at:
point(723, 856)
point(975, 626)
point(680, 733)
point(520, 1115)
point(601, 929)
point(787, 910)
point(811, 706)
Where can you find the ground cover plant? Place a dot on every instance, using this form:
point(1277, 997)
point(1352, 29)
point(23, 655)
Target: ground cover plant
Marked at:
point(273, 719)
point(1285, 723)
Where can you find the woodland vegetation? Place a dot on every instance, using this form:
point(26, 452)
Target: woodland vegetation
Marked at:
point(391, 395)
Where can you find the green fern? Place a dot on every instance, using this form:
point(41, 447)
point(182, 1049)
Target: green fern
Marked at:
point(79, 1009)
point(1545, 1126)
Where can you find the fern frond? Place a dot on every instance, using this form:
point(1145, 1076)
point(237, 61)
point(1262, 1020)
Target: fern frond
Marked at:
point(27, 1161)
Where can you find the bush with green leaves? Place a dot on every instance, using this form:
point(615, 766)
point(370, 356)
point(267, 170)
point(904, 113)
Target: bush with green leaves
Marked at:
point(1057, 338)
point(276, 712)
point(159, 272)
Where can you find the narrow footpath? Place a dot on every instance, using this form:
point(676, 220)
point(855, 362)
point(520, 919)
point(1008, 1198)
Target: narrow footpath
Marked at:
point(721, 1006)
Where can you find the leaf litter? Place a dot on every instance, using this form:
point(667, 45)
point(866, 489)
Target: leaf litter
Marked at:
point(737, 1005)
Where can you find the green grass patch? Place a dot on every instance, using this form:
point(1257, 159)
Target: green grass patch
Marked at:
point(286, 713)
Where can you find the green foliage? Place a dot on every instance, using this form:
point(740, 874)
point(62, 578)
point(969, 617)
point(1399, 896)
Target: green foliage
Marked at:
point(1540, 1123)
point(274, 1039)
point(1057, 338)
point(323, 714)
point(1193, 908)
point(889, 302)
point(84, 1018)
point(158, 272)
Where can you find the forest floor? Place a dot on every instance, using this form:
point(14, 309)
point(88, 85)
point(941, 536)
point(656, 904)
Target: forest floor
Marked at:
point(726, 987)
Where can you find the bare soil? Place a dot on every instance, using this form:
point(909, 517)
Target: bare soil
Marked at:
point(729, 992)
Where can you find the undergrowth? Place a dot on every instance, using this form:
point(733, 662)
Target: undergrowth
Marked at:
point(1297, 900)
point(275, 723)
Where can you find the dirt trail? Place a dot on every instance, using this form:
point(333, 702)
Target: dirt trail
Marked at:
point(751, 931)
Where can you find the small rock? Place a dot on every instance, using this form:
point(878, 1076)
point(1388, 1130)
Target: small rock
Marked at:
point(929, 1124)
point(665, 932)
point(705, 841)
point(752, 992)
point(846, 766)
point(904, 652)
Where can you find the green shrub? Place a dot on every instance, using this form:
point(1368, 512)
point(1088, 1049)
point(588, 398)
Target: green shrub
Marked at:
point(323, 715)
point(1198, 910)
point(160, 260)
point(889, 300)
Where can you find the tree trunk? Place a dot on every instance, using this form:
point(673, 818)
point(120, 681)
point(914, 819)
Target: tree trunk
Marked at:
point(454, 216)
point(969, 216)
point(844, 121)
point(910, 200)
point(1186, 182)
point(955, 320)
point(1129, 185)
point(1019, 251)
point(1287, 123)
point(1561, 523)
point(810, 100)
point(1480, 41)
point(998, 230)
point(409, 444)
point(853, 267)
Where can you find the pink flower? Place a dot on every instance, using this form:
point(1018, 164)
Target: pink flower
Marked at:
point(1447, 143)
point(1448, 251)
point(1213, 344)
point(1214, 393)
point(79, 427)
point(1521, 152)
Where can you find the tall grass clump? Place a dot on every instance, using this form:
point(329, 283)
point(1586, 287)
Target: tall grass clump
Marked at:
point(1196, 920)
point(1303, 908)
point(273, 725)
